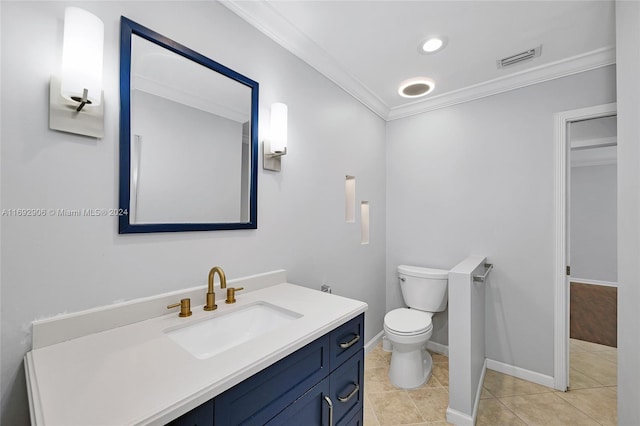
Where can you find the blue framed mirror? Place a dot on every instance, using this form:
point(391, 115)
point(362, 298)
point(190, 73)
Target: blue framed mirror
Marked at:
point(188, 138)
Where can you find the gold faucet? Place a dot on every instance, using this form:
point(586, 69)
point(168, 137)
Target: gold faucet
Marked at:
point(211, 295)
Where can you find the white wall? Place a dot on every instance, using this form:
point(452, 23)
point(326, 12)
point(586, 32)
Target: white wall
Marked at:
point(628, 69)
point(478, 178)
point(52, 265)
point(593, 222)
point(190, 162)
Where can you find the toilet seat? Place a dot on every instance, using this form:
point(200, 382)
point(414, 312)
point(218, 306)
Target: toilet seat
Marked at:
point(408, 322)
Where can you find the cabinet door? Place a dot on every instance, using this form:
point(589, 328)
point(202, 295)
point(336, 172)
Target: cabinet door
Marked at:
point(347, 388)
point(311, 409)
point(356, 420)
point(265, 394)
point(199, 416)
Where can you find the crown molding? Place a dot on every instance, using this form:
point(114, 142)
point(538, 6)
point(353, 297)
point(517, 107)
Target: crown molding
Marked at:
point(266, 19)
point(573, 65)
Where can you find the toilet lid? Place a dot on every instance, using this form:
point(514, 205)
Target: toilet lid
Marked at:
point(408, 321)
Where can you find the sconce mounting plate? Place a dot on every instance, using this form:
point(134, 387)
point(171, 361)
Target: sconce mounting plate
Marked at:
point(271, 161)
point(64, 116)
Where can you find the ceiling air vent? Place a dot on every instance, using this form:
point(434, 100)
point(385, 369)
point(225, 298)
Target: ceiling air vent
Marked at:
point(519, 57)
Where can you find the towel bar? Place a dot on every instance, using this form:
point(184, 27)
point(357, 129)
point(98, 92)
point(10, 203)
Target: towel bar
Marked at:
point(482, 278)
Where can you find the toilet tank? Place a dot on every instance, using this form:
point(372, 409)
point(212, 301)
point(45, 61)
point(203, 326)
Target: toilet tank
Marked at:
point(424, 288)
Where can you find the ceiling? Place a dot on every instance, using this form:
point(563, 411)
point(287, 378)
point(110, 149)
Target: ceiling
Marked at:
point(369, 47)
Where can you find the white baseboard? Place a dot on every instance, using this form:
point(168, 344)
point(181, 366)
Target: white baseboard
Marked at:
point(373, 342)
point(520, 373)
point(458, 418)
point(432, 346)
point(476, 403)
point(594, 282)
point(438, 348)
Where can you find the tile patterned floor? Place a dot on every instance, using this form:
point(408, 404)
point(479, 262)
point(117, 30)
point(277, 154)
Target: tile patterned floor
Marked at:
point(505, 400)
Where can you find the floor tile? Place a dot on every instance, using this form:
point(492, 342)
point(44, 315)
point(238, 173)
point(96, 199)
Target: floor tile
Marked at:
point(394, 408)
point(441, 372)
point(485, 394)
point(578, 380)
point(611, 356)
point(377, 380)
point(375, 359)
point(546, 409)
point(370, 418)
point(436, 357)
point(505, 400)
point(595, 367)
point(492, 412)
point(504, 385)
point(593, 347)
point(598, 403)
point(577, 345)
point(432, 403)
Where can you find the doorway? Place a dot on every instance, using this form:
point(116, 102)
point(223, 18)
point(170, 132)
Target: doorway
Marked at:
point(568, 122)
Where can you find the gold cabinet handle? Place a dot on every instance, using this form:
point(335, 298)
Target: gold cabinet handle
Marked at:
point(185, 307)
point(345, 345)
point(351, 394)
point(330, 404)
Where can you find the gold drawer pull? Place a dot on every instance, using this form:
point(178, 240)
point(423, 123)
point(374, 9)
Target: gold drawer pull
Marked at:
point(345, 345)
point(353, 392)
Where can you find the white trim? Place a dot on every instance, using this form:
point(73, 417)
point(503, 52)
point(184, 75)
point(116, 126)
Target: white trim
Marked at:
point(594, 143)
point(561, 298)
point(371, 344)
point(520, 373)
point(601, 162)
point(593, 282)
point(264, 17)
point(438, 348)
point(458, 418)
point(576, 64)
point(476, 403)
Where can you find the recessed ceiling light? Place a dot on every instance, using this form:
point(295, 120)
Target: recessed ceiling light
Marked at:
point(416, 87)
point(432, 45)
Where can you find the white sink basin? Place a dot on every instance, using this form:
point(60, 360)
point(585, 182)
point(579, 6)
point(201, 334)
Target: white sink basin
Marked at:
point(209, 337)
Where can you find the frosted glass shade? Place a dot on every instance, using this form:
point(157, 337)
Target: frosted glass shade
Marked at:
point(278, 139)
point(82, 53)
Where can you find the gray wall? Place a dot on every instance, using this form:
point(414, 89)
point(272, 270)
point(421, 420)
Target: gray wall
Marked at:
point(186, 174)
point(478, 178)
point(628, 69)
point(52, 265)
point(594, 223)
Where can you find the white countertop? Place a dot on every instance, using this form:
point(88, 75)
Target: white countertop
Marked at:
point(135, 374)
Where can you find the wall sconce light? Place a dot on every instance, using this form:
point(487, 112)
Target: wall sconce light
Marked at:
point(76, 103)
point(275, 146)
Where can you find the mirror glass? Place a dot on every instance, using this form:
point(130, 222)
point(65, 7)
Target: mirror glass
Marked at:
point(188, 143)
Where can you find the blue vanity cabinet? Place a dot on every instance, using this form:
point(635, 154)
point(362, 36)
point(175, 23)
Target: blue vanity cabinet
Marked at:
point(296, 389)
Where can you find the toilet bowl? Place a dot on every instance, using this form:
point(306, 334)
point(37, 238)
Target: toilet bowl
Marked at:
point(409, 329)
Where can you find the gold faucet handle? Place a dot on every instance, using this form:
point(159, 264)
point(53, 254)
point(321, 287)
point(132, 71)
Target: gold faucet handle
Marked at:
point(185, 307)
point(231, 294)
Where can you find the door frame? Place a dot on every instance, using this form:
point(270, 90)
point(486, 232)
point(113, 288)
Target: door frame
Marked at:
point(561, 288)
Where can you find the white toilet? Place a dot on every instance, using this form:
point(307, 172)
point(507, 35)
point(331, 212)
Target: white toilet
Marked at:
point(424, 290)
